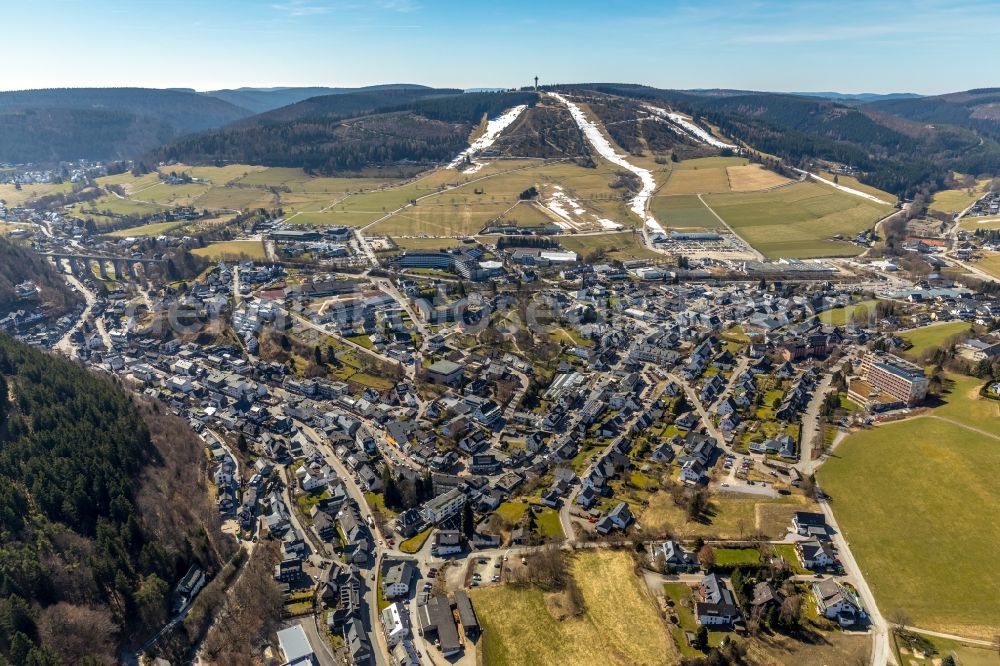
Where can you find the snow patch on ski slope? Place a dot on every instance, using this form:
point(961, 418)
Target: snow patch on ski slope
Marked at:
point(605, 150)
point(488, 138)
point(688, 127)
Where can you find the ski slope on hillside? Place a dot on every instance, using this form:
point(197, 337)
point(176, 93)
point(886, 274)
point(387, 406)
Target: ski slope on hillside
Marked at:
point(683, 125)
point(493, 129)
point(607, 151)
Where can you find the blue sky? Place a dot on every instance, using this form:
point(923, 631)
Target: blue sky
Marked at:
point(850, 46)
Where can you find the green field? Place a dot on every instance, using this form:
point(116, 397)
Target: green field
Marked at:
point(249, 249)
point(467, 208)
point(841, 316)
point(737, 556)
point(237, 187)
point(702, 175)
point(962, 402)
point(622, 245)
point(928, 337)
point(620, 625)
point(525, 214)
point(855, 184)
point(427, 243)
point(110, 204)
point(727, 517)
point(955, 201)
point(799, 220)
point(15, 197)
point(682, 211)
point(920, 505)
point(989, 263)
point(964, 653)
point(155, 229)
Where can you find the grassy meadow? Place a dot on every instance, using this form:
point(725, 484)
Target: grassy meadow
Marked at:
point(927, 337)
point(620, 625)
point(919, 503)
point(238, 249)
point(799, 220)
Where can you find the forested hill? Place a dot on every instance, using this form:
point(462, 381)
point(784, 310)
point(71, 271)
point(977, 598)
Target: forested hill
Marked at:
point(896, 151)
point(260, 100)
point(973, 109)
point(349, 133)
point(102, 509)
point(102, 123)
point(344, 105)
point(18, 264)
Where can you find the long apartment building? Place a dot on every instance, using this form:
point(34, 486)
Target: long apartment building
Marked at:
point(890, 379)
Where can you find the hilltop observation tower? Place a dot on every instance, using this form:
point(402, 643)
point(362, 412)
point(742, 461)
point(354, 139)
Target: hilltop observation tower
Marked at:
point(536, 84)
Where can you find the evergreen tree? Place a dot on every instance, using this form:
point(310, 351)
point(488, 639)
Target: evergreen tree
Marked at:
point(468, 521)
point(390, 490)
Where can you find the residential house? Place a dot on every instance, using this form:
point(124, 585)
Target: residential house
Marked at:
point(397, 579)
point(717, 605)
point(815, 554)
point(836, 602)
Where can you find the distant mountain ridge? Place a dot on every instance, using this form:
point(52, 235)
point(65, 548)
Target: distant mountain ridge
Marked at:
point(977, 109)
point(102, 123)
point(261, 100)
point(861, 97)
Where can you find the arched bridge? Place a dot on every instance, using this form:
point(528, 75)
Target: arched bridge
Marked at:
point(79, 265)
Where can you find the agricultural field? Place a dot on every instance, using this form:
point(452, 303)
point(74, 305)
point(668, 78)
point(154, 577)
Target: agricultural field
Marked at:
point(526, 214)
point(753, 177)
point(155, 229)
point(302, 197)
point(250, 249)
point(15, 197)
point(702, 175)
point(799, 220)
point(229, 197)
point(961, 402)
point(924, 532)
point(131, 183)
point(990, 263)
point(467, 208)
point(169, 196)
point(927, 337)
point(102, 209)
point(427, 243)
point(855, 184)
point(622, 245)
point(957, 200)
point(727, 517)
point(841, 316)
point(682, 211)
point(619, 626)
point(6, 228)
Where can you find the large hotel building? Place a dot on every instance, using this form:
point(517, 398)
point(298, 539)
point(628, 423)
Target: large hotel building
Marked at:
point(888, 380)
